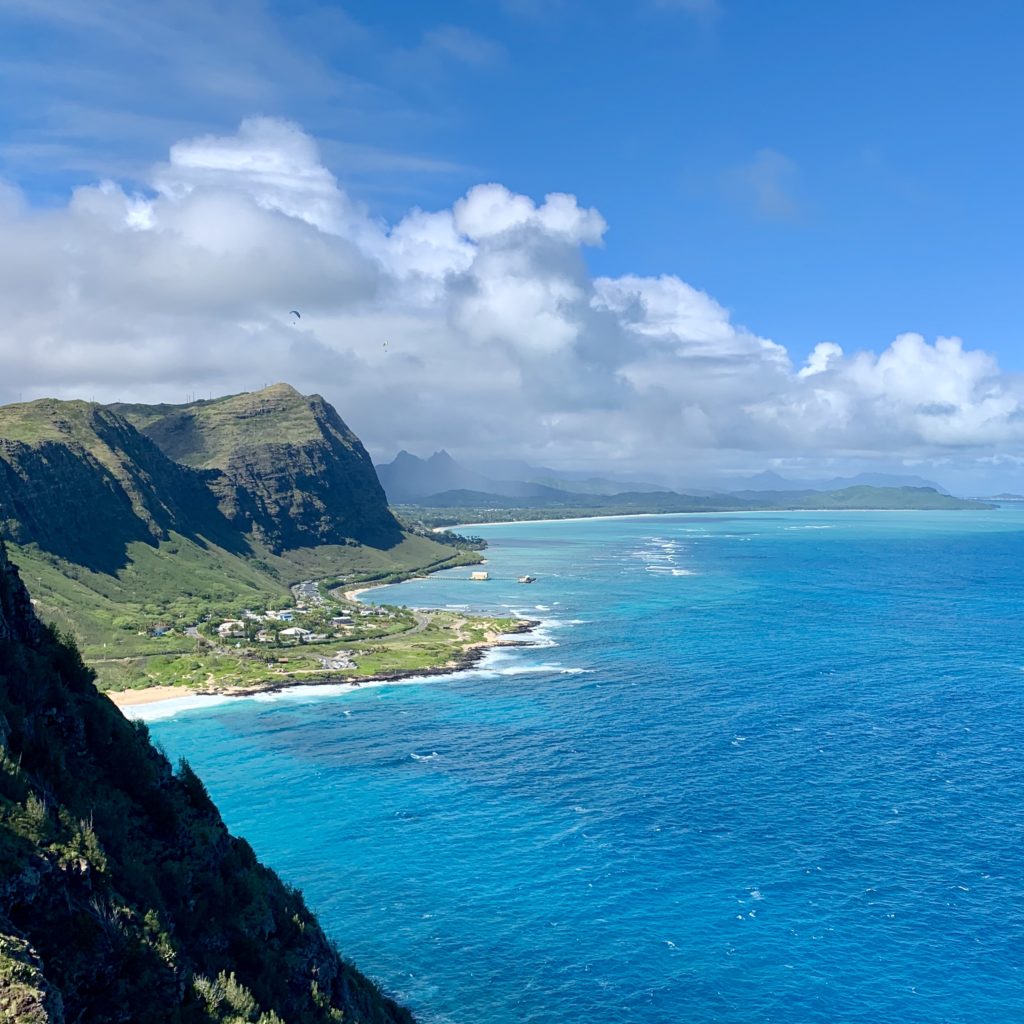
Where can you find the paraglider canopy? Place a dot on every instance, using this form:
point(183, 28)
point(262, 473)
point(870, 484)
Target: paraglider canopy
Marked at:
point(295, 313)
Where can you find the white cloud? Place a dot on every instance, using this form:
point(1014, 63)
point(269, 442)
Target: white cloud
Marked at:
point(824, 354)
point(491, 210)
point(499, 340)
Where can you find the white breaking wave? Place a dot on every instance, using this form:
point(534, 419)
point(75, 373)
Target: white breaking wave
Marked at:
point(529, 670)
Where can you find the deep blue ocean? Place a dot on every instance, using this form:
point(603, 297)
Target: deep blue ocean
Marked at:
point(763, 767)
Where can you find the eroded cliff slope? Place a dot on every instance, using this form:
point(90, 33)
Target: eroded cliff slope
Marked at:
point(122, 895)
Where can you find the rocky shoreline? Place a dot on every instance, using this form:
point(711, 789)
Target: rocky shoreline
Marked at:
point(464, 660)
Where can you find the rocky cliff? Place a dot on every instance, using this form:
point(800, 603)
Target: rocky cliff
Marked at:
point(273, 468)
point(284, 467)
point(83, 483)
point(122, 896)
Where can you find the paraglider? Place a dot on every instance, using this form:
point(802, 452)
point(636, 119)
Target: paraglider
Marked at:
point(295, 315)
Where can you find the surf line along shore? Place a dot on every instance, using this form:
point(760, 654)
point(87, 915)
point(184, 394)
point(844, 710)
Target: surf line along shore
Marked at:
point(465, 659)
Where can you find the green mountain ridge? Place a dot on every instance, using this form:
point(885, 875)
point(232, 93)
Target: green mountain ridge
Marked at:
point(82, 483)
point(123, 898)
point(218, 507)
point(284, 467)
point(453, 507)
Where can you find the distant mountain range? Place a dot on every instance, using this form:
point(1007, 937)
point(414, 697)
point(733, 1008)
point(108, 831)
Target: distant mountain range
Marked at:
point(772, 481)
point(408, 478)
point(441, 480)
point(460, 506)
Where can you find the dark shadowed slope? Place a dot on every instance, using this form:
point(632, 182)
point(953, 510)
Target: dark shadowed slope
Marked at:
point(122, 895)
point(83, 484)
point(284, 466)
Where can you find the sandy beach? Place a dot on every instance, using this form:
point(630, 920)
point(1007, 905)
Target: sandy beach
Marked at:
point(179, 698)
point(150, 695)
point(670, 515)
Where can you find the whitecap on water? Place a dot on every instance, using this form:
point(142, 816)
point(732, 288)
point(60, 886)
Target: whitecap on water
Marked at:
point(528, 670)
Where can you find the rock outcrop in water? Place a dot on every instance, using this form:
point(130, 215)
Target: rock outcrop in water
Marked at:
point(123, 898)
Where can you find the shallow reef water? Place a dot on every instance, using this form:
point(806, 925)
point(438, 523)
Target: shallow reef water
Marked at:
point(754, 767)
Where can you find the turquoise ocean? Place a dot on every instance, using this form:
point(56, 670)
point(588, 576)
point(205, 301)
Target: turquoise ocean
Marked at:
point(756, 767)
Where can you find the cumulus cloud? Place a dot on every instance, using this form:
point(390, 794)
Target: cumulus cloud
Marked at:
point(499, 339)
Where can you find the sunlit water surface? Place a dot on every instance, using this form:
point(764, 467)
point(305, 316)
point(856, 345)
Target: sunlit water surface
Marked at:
point(756, 768)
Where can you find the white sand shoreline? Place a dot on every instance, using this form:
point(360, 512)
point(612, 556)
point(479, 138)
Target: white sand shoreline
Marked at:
point(155, 702)
point(690, 515)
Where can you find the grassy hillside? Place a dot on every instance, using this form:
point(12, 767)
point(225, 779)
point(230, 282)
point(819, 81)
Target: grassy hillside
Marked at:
point(178, 585)
point(207, 434)
point(130, 550)
point(122, 896)
point(83, 484)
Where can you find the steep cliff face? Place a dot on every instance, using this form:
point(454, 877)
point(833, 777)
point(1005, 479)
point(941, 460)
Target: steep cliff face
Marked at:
point(122, 895)
point(83, 483)
point(18, 624)
point(284, 466)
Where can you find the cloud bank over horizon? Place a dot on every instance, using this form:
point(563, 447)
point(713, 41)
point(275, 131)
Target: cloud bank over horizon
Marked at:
point(477, 328)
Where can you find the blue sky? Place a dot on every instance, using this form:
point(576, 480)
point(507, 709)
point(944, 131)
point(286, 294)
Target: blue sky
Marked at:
point(837, 171)
point(829, 172)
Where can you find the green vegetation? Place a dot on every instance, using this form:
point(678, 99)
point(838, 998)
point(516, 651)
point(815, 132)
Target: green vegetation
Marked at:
point(154, 623)
point(284, 467)
point(122, 895)
point(209, 434)
point(468, 507)
point(135, 544)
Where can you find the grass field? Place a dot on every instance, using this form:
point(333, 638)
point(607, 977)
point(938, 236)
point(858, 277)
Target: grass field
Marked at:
point(438, 641)
point(178, 585)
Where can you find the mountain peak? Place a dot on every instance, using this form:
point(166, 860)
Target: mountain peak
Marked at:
point(280, 388)
point(284, 466)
